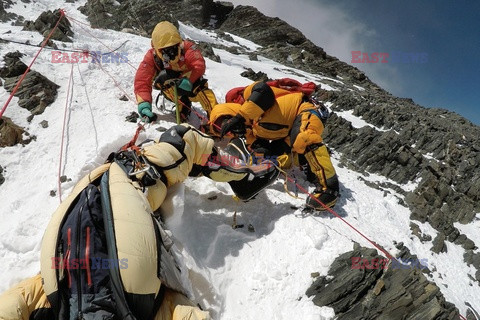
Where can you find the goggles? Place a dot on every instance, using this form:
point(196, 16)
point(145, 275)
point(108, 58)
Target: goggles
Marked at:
point(169, 53)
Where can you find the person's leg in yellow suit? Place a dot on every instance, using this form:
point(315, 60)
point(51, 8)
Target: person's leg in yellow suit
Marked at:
point(204, 95)
point(200, 93)
point(176, 306)
point(306, 137)
point(25, 301)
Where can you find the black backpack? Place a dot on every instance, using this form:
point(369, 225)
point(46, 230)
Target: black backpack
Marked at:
point(88, 268)
point(83, 263)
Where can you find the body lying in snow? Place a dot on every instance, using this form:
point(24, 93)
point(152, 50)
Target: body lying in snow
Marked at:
point(110, 217)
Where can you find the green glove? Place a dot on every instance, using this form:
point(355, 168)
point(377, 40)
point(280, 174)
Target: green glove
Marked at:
point(145, 110)
point(184, 87)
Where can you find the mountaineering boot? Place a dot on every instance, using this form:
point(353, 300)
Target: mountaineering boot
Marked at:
point(235, 157)
point(327, 197)
point(327, 186)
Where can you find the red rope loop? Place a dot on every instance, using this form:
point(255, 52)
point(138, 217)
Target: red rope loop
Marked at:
point(131, 143)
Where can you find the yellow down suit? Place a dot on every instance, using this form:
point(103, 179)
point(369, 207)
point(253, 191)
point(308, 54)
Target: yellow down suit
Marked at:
point(274, 115)
point(133, 203)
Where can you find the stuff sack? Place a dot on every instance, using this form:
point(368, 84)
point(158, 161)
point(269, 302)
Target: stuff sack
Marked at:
point(235, 95)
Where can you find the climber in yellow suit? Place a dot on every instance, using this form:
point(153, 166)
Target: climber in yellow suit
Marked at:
point(275, 122)
point(180, 152)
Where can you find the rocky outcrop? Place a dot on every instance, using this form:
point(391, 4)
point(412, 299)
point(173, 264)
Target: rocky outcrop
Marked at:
point(11, 134)
point(140, 17)
point(47, 21)
point(411, 143)
point(35, 93)
point(358, 287)
point(9, 16)
point(215, 13)
point(2, 179)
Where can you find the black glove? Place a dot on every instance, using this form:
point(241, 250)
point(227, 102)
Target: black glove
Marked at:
point(235, 125)
point(161, 82)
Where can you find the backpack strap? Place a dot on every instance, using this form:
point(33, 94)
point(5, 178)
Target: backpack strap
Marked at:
point(116, 281)
point(174, 137)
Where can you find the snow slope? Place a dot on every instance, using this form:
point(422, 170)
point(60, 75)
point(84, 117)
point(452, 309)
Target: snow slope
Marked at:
point(235, 273)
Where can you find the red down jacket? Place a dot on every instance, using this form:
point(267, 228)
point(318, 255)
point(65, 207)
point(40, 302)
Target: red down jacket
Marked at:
point(191, 65)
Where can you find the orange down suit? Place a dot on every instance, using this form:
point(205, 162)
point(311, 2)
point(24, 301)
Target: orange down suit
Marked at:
point(283, 116)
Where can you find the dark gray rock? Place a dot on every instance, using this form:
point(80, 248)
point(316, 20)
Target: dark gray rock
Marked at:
point(255, 76)
point(377, 293)
point(132, 117)
point(142, 16)
point(4, 14)
point(439, 244)
point(47, 21)
point(35, 93)
point(215, 13)
point(418, 233)
point(469, 244)
point(13, 66)
point(2, 179)
point(207, 51)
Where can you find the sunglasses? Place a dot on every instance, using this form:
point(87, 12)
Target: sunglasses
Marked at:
point(170, 53)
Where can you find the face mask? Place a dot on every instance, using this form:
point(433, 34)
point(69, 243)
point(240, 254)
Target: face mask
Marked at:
point(170, 53)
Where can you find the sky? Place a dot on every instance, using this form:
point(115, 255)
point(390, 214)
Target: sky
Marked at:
point(445, 33)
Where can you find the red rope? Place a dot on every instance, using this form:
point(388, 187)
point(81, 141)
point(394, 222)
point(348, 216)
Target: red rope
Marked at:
point(100, 64)
point(131, 143)
point(62, 14)
point(387, 254)
point(117, 84)
point(199, 115)
point(63, 135)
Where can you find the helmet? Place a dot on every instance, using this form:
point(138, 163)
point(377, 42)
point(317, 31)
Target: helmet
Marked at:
point(165, 35)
